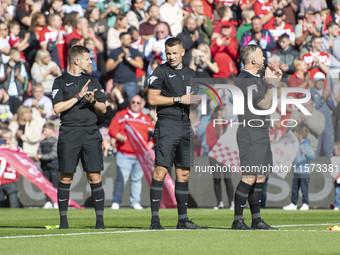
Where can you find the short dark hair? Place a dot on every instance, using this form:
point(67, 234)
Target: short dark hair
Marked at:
point(303, 131)
point(314, 37)
point(283, 36)
point(246, 52)
point(173, 41)
point(149, 8)
point(255, 17)
point(13, 50)
point(13, 23)
point(72, 42)
point(75, 51)
point(330, 24)
point(222, 10)
point(49, 125)
point(131, 30)
point(123, 34)
point(52, 16)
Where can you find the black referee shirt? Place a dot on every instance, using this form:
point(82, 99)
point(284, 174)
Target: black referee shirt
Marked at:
point(172, 83)
point(82, 113)
point(245, 80)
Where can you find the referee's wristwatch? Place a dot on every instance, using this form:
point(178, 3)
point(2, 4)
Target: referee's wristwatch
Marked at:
point(93, 102)
point(78, 97)
point(177, 100)
point(270, 86)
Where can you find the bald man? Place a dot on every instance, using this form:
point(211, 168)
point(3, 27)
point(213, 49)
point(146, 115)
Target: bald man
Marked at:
point(191, 38)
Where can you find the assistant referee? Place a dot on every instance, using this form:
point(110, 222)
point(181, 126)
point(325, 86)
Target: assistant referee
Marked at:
point(77, 97)
point(168, 88)
point(253, 142)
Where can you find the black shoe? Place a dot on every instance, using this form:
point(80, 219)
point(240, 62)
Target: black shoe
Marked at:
point(63, 226)
point(156, 226)
point(188, 225)
point(240, 225)
point(100, 225)
point(262, 225)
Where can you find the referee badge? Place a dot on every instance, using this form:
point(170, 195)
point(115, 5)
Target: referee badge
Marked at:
point(152, 79)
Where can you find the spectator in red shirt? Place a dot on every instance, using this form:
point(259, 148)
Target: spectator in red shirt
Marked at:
point(246, 4)
point(84, 31)
point(8, 177)
point(280, 27)
point(300, 79)
point(225, 14)
point(52, 39)
point(37, 24)
point(317, 60)
point(224, 49)
point(15, 41)
point(126, 159)
point(265, 10)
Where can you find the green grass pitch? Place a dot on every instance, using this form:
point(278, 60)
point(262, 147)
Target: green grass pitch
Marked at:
point(301, 232)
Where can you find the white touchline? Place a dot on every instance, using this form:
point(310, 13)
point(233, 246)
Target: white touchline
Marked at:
point(304, 225)
point(148, 230)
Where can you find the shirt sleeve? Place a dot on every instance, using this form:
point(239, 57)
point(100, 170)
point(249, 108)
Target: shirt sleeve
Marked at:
point(257, 91)
point(156, 79)
point(258, 95)
point(57, 92)
point(99, 95)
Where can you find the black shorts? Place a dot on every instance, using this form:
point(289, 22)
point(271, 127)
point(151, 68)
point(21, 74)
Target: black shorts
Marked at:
point(83, 143)
point(254, 150)
point(174, 143)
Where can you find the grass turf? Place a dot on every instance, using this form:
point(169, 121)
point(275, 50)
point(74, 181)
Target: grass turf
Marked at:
point(22, 232)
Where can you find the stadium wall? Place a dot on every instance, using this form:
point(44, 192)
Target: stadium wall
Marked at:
point(321, 188)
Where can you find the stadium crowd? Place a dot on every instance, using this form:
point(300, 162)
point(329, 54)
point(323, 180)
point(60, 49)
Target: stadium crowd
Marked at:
point(126, 42)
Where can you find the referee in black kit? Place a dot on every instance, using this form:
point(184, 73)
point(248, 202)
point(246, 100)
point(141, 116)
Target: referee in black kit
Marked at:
point(77, 97)
point(253, 142)
point(168, 90)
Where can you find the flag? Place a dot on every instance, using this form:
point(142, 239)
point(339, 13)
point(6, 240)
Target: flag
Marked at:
point(26, 168)
point(146, 158)
point(284, 151)
point(226, 150)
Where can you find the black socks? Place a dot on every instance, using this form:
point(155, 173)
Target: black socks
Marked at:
point(156, 191)
point(63, 197)
point(182, 194)
point(98, 202)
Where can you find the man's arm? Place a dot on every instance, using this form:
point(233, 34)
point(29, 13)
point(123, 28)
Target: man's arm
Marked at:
point(65, 105)
point(111, 64)
point(267, 101)
point(156, 99)
point(100, 107)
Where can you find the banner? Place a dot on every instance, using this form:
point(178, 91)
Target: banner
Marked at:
point(25, 167)
point(146, 158)
point(226, 150)
point(284, 151)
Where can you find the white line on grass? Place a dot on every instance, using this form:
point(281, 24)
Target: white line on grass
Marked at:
point(148, 230)
point(86, 233)
point(304, 225)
